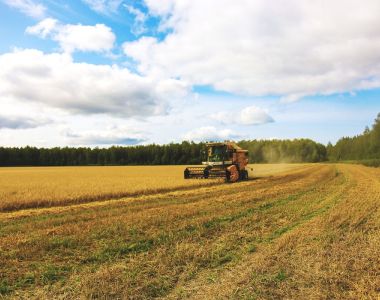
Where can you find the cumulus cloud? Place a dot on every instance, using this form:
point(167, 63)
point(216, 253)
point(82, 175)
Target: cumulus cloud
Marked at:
point(28, 7)
point(210, 133)
point(105, 7)
point(21, 122)
point(251, 115)
point(111, 136)
point(57, 81)
point(97, 38)
point(286, 48)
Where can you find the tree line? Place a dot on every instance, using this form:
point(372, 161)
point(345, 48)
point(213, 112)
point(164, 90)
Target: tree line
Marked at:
point(180, 153)
point(360, 147)
point(365, 146)
point(171, 154)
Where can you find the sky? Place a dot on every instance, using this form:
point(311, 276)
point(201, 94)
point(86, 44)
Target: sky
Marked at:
point(123, 72)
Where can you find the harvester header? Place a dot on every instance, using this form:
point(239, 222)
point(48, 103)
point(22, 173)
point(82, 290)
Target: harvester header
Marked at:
point(224, 160)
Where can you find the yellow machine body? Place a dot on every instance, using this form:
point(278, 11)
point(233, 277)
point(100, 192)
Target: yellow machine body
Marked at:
point(224, 160)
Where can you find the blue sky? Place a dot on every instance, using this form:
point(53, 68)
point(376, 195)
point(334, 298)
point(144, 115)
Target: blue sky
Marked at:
point(105, 72)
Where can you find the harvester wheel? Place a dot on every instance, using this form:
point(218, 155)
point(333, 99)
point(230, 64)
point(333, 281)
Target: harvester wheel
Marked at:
point(234, 173)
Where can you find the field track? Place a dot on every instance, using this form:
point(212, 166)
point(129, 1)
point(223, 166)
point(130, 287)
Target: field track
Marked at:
point(311, 232)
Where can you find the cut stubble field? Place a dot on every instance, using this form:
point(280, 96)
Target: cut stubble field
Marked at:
point(307, 231)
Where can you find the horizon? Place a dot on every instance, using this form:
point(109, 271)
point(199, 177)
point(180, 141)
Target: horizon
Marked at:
point(98, 73)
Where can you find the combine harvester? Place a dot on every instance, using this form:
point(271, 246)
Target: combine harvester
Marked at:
point(224, 160)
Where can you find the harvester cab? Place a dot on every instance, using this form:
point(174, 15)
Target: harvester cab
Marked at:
point(224, 160)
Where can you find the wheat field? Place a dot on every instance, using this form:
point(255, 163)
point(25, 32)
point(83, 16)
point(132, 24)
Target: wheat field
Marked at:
point(52, 186)
point(29, 187)
point(293, 232)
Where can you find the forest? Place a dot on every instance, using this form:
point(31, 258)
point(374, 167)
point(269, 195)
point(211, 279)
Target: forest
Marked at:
point(363, 147)
point(301, 150)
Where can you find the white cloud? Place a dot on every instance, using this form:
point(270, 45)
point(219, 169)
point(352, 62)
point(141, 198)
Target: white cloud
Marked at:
point(160, 8)
point(139, 22)
point(56, 81)
point(105, 7)
point(289, 48)
point(21, 122)
point(44, 28)
point(251, 115)
point(111, 136)
point(97, 38)
point(210, 133)
point(28, 7)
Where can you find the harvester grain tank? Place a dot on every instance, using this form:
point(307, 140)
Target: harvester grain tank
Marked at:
point(224, 160)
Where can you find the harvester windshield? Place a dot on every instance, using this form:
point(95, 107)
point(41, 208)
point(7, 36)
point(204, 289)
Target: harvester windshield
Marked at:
point(217, 153)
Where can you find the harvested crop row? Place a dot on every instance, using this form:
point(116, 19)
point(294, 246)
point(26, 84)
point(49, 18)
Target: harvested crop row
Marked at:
point(331, 253)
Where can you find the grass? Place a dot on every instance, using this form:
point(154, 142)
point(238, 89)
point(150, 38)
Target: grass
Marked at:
point(307, 231)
